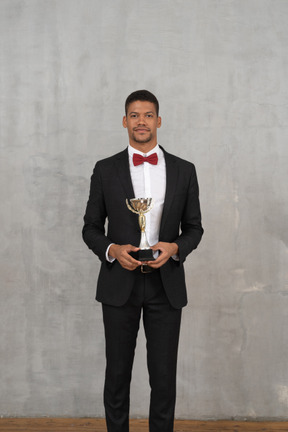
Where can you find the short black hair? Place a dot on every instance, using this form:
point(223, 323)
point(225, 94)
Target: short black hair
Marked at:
point(142, 95)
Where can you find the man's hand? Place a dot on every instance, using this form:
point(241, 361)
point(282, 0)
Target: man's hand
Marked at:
point(121, 253)
point(166, 251)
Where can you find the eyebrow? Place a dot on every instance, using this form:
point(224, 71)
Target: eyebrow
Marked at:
point(148, 112)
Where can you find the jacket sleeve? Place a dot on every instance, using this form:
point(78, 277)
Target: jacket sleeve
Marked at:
point(94, 220)
point(190, 226)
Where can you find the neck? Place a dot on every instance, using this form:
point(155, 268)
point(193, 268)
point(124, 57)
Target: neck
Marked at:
point(143, 147)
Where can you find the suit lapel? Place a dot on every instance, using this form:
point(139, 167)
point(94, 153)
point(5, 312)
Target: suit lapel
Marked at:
point(123, 172)
point(171, 183)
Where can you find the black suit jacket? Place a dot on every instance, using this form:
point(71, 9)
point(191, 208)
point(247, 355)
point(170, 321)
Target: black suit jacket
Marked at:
point(181, 223)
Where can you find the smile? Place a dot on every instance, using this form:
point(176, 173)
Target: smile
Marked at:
point(141, 130)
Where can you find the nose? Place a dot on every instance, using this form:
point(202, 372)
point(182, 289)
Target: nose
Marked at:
point(141, 120)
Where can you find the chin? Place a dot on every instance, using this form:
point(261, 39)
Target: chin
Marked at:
point(142, 141)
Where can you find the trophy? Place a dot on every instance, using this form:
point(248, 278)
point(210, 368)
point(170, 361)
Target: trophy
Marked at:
point(141, 206)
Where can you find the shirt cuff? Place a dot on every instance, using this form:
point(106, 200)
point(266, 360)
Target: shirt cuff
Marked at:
point(109, 258)
point(175, 257)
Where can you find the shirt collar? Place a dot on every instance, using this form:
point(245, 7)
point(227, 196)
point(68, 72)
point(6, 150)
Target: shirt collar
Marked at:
point(132, 150)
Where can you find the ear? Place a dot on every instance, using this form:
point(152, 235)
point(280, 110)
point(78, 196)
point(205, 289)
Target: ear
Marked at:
point(124, 122)
point(159, 122)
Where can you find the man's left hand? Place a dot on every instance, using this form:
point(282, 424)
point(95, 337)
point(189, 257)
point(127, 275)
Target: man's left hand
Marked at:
point(166, 250)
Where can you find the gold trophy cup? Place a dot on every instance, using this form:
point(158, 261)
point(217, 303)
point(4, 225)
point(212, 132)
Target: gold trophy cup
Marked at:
point(141, 206)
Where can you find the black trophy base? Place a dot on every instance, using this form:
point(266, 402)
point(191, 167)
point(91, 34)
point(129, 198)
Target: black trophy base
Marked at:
point(145, 255)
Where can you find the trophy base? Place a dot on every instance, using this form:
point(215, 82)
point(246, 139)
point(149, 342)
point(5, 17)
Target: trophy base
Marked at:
point(145, 255)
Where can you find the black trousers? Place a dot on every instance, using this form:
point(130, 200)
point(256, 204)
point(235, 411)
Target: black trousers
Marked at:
point(161, 324)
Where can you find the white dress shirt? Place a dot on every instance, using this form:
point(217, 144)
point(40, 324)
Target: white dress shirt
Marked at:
point(149, 181)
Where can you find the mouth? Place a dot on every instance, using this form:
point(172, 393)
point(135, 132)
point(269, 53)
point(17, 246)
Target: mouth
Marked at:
point(141, 130)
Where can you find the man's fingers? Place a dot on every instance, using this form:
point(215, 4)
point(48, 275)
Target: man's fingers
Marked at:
point(125, 259)
point(134, 249)
point(158, 262)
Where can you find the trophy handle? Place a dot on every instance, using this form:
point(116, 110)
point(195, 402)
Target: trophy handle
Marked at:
point(130, 208)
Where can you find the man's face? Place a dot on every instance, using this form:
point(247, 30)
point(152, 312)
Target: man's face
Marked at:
point(142, 122)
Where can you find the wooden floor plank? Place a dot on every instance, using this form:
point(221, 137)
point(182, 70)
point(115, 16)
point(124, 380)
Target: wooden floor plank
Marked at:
point(98, 425)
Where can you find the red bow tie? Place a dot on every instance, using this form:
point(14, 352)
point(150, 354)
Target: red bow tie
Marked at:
point(139, 159)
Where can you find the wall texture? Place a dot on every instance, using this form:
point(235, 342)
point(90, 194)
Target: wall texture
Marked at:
point(219, 69)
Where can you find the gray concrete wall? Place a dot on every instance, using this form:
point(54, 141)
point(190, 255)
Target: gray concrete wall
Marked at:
point(219, 68)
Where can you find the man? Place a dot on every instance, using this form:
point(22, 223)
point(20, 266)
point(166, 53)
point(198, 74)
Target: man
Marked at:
point(127, 286)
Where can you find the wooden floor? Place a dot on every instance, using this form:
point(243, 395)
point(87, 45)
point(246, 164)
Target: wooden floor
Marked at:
point(98, 425)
